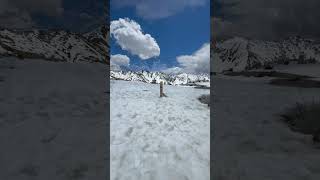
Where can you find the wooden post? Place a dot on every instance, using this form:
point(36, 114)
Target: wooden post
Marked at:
point(161, 89)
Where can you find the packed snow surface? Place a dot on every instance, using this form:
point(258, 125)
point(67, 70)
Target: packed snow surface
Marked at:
point(55, 45)
point(250, 142)
point(312, 70)
point(52, 120)
point(241, 54)
point(155, 138)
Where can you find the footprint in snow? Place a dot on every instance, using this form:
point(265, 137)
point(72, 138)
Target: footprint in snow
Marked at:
point(171, 118)
point(135, 115)
point(144, 148)
point(170, 128)
point(43, 114)
point(129, 132)
point(148, 123)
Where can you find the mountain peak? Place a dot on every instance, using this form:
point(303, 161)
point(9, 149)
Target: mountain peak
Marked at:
point(238, 54)
point(54, 45)
point(156, 77)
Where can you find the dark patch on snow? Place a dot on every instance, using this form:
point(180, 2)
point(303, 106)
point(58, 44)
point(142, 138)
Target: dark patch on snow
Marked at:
point(197, 86)
point(265, 74)
point(79, 171)
point(49, 138)
point(29, 170)
point(205, 99)
point(130, 130)
point(163, 95)
point(304, 118)
point(7, 67)
point(202, 87)
point(296, 82)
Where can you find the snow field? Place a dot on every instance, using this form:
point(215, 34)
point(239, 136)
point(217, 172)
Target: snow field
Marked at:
point(250, 142)
point(158, 138)
point(52, 120)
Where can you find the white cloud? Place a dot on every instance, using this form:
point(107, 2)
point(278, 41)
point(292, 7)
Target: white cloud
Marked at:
point(129, 36)
point(198, 62)
point(173, 70)
point(119, 60)
point(115, 67)
point(155, 9)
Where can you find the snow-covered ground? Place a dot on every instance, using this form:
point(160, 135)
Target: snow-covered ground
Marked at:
point(52, 120)
point(312, 70)
point(250, 143)
point(206, 84)
point(158, 138)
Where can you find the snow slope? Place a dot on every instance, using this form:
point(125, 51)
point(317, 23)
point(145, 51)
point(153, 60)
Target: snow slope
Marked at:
point(158, 138)
point(250, 142)
point(52, 120)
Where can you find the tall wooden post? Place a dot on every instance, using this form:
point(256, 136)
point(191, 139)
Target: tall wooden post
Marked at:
point(161, 89)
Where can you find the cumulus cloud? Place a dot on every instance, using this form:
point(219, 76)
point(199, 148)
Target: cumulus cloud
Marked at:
point(119, 60)
point(173, 70)
point(129, 35)
point(198, 62)
point(155, 9)
point(266, 19)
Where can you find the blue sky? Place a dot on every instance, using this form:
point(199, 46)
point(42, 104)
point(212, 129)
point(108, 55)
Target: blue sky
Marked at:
point(183, 31)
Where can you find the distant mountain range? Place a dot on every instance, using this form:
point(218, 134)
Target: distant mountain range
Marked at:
point(156, 77)
point(238, 54)
point(235, 54)
point(56, 45)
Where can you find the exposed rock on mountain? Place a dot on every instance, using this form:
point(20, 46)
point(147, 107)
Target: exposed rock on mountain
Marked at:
point(238, 54)
point(56, 45)
point(156, 77)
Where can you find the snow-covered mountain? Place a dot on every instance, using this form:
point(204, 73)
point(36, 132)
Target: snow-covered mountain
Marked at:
point(156, 77)
point(56, 45)
point(241, 54)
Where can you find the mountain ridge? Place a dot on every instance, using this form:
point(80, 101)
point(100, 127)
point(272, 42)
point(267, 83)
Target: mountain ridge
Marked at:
point(157, 77)
point(240, 54)
point(56, 45)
